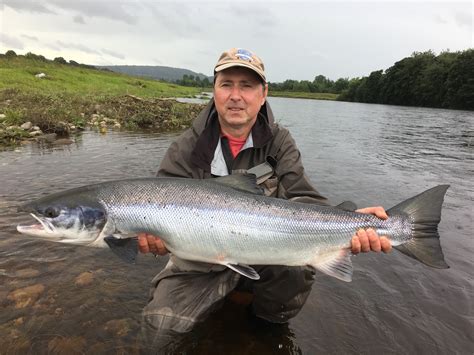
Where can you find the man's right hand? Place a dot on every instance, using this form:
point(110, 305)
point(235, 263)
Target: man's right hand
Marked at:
point(148, 243)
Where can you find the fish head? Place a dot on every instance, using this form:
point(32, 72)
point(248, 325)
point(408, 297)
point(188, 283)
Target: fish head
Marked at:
point(73, 218)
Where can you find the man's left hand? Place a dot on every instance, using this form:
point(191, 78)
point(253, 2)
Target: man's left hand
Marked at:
point(366, 239)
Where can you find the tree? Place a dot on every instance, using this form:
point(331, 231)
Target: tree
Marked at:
point(60, 60)
point(322, 84)
point(460, 82)
point(10, 54)
point(340, 85)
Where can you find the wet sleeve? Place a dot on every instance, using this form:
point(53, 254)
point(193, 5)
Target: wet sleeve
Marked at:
point(176, 161)
point(294, 184)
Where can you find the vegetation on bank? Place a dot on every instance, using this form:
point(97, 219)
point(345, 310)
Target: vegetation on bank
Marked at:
point(71, 96)
point(424, 79)
point(18, 72)
point(304, 95)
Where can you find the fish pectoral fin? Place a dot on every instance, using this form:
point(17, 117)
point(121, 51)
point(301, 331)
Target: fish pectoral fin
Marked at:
point(244, 270)
point(125, 249)
point(337, 264)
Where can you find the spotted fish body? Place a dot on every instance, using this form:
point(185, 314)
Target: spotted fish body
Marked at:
point(228, 221)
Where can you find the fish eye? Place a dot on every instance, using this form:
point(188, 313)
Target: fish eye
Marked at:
point(51, 212)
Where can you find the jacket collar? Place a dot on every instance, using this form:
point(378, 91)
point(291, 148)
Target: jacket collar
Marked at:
point(207, 127)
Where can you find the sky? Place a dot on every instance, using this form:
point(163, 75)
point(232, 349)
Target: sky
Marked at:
point(296, 40)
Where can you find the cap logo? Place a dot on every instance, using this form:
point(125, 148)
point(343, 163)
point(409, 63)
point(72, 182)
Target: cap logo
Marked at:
point(244, 55)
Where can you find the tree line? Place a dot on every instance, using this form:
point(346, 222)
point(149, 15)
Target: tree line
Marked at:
point(423, 79)
point(194, 81)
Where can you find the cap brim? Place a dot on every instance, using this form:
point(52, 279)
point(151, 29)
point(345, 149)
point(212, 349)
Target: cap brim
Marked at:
point(239, 64)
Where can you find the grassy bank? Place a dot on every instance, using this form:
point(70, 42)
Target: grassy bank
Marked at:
point(304, 95)
point(19, 73)
point(70, 97)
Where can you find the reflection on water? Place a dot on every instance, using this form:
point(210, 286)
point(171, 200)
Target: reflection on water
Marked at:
point(59, 298)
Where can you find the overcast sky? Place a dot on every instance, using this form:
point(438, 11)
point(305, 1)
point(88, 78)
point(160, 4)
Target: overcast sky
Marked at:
point(296, 40)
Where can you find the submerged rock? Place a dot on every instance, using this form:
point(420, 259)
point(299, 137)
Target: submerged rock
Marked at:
point(26, 273)
point(72, 345)
point(117, 327)
point(63, 141)
point(84, 279)
point(26, 296)
point(19, 321)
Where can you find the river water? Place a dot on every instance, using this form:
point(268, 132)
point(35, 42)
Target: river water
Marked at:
point(56, 298)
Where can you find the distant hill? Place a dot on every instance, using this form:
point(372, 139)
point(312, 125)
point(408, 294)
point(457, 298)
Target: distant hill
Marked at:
point(154, 72)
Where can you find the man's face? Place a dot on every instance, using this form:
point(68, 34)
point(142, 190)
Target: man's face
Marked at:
point(238, 96)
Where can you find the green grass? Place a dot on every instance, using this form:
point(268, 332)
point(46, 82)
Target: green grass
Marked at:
point(304, 95)
point(19, 73)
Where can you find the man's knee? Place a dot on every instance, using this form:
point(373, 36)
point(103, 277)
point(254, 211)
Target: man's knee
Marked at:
point(282, 293)
point(180, 299)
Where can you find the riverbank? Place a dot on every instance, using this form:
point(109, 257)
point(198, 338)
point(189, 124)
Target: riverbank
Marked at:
point(32, 117)
point(39, 97)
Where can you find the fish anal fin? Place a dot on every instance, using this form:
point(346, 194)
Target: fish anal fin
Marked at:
point(125, 249)
point(244, 270)
point(337, 264)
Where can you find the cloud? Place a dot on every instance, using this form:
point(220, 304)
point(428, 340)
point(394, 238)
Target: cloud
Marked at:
point(27, 5)
point(463, 19)
point(440, 19)
point(104, 9)
point(99, 8)
point(11, 42)
point(76, 46)
point(180, 20)
point(79, 19)
point(31, 38)
point(113, 54)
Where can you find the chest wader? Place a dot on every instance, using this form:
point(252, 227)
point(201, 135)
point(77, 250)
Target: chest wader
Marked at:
point(187, 292)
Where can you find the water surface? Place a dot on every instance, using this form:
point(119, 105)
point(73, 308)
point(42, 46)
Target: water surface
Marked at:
point(86, 300)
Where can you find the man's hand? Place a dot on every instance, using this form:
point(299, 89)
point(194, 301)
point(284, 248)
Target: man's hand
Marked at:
point(367, 240)
point(148, 243)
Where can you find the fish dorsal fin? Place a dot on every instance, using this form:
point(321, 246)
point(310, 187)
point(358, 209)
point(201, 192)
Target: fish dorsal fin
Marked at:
point(244, 270)
point(241, 182)
point(125, 249)
point(337, 264)
point(347, 206)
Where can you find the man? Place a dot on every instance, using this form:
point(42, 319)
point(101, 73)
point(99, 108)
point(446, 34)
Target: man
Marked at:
point(237, 133)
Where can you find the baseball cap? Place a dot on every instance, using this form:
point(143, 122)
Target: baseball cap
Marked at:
point(239, 57)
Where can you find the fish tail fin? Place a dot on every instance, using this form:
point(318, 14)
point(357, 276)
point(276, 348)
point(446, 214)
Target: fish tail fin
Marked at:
point(424, 211)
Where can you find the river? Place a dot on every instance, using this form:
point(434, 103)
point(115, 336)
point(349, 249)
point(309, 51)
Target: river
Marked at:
point(57, 298)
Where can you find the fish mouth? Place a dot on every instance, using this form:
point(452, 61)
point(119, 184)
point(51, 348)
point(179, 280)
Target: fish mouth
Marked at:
point(43, 229)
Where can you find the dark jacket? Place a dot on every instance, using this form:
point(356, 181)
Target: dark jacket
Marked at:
point(191, 154)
